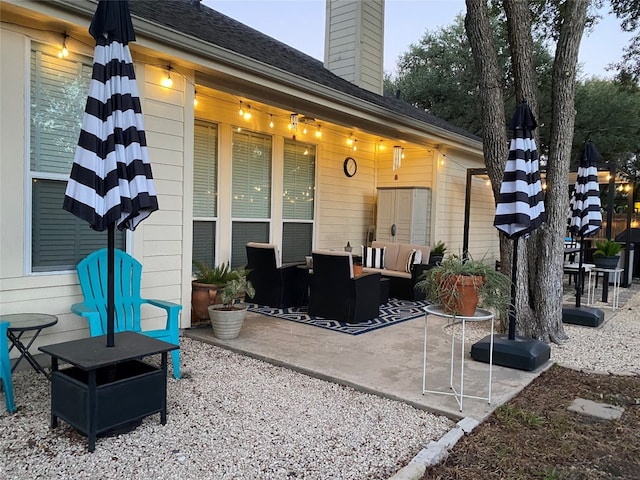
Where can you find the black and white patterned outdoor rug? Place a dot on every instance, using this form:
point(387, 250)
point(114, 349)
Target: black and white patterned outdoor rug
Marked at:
point(391, 313)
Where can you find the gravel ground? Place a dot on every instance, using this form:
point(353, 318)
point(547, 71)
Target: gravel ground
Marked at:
point(614, 347)
point(229, 417)
point(234, 417)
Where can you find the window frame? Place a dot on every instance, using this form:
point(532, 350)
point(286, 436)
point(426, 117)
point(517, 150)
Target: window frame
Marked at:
point(216, 218)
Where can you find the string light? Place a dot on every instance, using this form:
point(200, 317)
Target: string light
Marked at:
point(241, 111)
point(195, 98)
point(350, 139)
point(355, 145)
point(381, 146)
point(64, 52)
point(247, 113)
point(167, 81)
point(319, 131)
point(304, 128)
point(270, 121)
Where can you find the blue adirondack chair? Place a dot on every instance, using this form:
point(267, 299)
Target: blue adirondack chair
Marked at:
point(5, 367)
point(92, 273)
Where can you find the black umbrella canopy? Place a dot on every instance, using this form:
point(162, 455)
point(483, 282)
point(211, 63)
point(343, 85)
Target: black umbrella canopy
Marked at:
point(111, 183)
point(520, 208)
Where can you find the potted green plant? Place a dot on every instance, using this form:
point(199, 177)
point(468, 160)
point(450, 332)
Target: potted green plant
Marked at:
point(436, 254)
point(204, 288)
point(606, 254)
point(460, 285)
point(227, 317)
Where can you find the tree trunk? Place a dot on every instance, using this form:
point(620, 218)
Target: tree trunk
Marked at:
point(494, 135)
point(549, 254)
point(521, 48)
point(539, 263)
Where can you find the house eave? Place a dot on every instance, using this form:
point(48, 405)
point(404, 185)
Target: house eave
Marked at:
point(234, 73)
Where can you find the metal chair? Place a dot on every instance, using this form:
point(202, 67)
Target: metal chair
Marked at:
point(92, 273)
point(5, 368)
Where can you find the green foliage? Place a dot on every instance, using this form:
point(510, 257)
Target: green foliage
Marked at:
point(439, 75)
point(607, 248)
point(494, 293)
point(217, 275)
point(609, 114)
point(235, 287)
point(439, 248)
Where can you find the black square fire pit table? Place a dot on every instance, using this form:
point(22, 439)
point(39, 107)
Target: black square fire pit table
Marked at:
point(107, 387)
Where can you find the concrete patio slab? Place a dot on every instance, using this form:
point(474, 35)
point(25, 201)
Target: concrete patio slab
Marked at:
point(386, 362)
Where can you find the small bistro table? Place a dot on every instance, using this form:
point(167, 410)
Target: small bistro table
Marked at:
point(107, 387)
point(479, 315)
point(605, 272)
point(19, 324)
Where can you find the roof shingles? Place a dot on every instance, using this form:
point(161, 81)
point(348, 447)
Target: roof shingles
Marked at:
point(194, 19)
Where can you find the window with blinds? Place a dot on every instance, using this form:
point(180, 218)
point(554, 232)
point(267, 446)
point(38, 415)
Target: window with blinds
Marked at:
point(251, 183)
point(298, 200)
point(205, 191)
point(58, 93)
point(251, 192)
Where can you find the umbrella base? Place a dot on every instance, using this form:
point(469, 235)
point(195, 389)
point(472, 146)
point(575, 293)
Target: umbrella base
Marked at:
point(522, 353)
point(586, 316)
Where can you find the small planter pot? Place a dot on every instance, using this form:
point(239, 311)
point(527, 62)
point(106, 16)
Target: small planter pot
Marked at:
point(227, 323)
point(461, 296)
point(603, 261)
point(202, 295)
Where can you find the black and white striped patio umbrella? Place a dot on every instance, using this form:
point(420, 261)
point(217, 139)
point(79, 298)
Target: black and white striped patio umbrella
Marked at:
point(520, 206)
point(111, 184)
point(585, 216)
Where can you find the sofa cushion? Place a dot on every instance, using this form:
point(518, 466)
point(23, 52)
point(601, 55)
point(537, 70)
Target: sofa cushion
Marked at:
point(390, 254)
point(415, 256)
point(373, 257)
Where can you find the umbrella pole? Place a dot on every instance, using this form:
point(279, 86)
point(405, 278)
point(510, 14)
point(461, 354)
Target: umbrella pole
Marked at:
point(512, 307)
point(110, 283)
point(580, 279)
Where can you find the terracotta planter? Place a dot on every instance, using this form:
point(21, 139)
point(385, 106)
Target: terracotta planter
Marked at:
point(357, 270)
point(464, 299)
point(202, 295)
point(227, 323)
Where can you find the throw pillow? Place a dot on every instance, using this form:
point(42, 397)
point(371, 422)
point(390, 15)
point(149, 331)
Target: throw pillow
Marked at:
point(373, 257)
point(415, 256)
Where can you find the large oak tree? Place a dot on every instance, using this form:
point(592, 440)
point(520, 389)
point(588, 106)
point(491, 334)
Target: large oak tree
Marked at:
point(539, 272)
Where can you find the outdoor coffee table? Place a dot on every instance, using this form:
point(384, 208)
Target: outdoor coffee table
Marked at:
point(479, 315)
point(19, 324)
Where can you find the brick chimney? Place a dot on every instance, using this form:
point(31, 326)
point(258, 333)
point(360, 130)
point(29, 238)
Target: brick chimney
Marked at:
point(354, 41)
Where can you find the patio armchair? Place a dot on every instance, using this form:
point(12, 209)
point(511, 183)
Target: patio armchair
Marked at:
point(335, 293)
point(275, 285)
point(92, 273)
